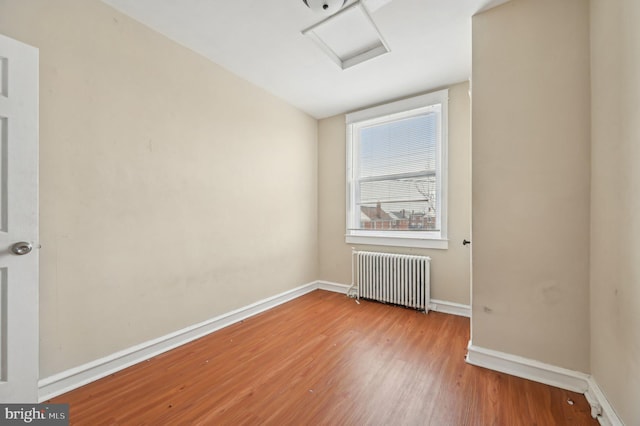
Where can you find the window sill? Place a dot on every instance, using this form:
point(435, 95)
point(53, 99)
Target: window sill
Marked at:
point(398, 241)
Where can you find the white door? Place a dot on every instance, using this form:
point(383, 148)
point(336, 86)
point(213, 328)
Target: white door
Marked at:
point(18, 221)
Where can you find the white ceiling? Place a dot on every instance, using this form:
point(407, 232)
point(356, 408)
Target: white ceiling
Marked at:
point(261, 41)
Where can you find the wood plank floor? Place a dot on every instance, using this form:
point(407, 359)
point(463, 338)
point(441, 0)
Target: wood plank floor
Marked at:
point(322, 359)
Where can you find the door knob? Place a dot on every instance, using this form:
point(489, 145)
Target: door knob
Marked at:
point(21, 248)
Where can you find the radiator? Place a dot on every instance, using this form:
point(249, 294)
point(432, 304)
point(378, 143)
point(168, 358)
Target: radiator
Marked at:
point(393, 278)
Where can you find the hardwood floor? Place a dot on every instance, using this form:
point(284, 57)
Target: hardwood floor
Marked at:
point(323, 359)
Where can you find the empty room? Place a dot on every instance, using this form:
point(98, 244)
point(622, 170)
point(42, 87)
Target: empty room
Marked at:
point(353, 212)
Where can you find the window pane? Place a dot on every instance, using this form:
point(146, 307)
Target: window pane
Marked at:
point(397, 179)
point(399, 205)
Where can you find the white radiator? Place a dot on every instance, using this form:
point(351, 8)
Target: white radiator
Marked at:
point(393, 278)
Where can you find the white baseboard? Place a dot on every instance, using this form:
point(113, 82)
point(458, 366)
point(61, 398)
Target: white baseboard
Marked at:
point(335, 287)
point(601, 409)
point(548, 374)
point(450, 308)
point(73, 378)
point(434, 304)
point(528, 369)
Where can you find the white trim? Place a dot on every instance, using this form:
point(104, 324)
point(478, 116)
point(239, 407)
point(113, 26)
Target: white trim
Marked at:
point(413, 242)
point(442, 159)
point(528, 369)
point(450, 308)
point(601, 409)
point(548, 374)
point(435, 305)
point(334, 287)
point(399, 106)
point(73, 378)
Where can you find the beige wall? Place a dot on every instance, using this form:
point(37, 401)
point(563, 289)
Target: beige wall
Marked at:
point(531, 181)
point(615, 203)
point(450, 275)
point(171, 191)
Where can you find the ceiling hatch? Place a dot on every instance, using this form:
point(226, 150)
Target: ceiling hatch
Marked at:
point(348, 37)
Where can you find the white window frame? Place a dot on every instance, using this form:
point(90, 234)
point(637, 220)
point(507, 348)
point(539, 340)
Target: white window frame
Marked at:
point(389, 112)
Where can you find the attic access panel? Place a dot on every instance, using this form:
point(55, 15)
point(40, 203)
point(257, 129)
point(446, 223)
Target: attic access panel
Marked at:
point(349, 37)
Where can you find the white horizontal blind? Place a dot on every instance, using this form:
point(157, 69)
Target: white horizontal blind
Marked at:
point(397, 171)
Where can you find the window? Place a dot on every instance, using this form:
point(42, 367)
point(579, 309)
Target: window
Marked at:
point(396, 173)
